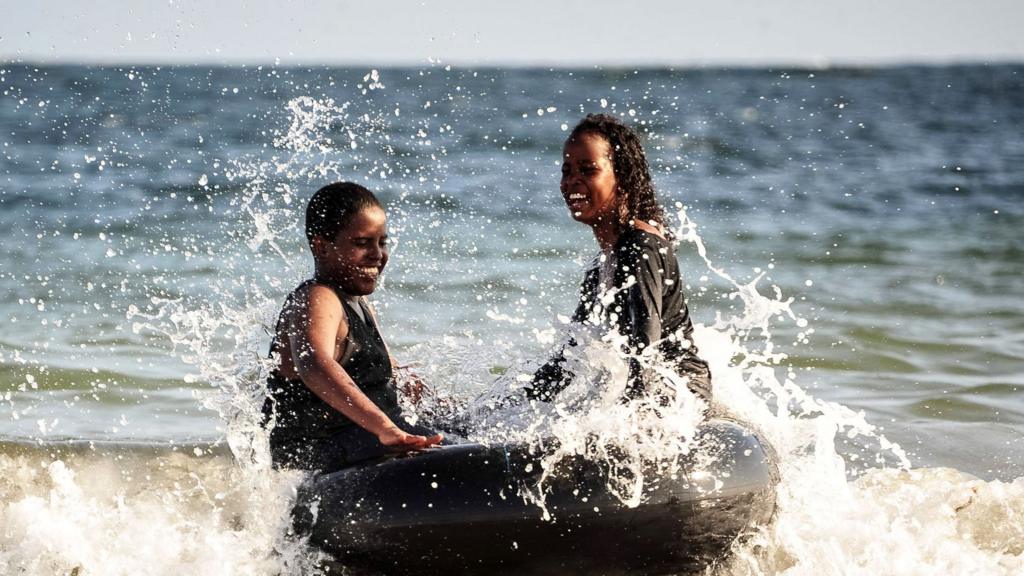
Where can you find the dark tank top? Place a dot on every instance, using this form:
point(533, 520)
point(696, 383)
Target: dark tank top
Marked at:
point(302, 414)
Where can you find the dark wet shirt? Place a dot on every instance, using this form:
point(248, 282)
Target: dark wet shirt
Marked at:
point(301, 414)
point(648, 307)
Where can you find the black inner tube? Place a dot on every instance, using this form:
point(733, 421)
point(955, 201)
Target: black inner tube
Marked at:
point(458, 509)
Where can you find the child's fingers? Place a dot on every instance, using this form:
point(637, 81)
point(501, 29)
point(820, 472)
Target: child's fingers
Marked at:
point(413, 442)
point(427, 441)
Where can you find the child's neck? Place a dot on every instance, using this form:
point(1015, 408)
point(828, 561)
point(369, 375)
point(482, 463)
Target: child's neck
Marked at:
point(322, 277)
point(607, 234)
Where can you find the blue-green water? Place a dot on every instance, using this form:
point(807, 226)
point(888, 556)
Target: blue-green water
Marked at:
point(888, 203)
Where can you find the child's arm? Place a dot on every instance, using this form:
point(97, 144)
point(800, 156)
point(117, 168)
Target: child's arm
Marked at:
point(317, 323)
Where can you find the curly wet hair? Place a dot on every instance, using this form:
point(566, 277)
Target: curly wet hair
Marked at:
point(636, 197)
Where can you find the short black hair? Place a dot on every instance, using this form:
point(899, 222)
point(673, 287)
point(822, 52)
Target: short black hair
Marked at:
point(637, 200)
point(333, 206)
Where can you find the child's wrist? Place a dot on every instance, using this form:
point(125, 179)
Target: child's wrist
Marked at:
point(387, 431)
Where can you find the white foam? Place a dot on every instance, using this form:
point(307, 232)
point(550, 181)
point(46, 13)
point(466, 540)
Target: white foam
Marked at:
point(838, 512)
point(135, 514)
point(835, 516)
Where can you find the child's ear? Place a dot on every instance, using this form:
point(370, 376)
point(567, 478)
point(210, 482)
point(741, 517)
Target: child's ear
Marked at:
point(317, 246)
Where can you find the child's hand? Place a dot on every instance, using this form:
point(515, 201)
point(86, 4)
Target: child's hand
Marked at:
point(398, 440)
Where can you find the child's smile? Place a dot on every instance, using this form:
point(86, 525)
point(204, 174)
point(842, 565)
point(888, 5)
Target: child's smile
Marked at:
point(358, 254)
point(588, 179)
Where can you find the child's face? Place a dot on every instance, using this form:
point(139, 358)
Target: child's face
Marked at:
point(358, 253)
point(588, 179)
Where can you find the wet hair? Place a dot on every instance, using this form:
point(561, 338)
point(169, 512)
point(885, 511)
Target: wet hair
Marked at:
point(332, 207)
point(636, 198)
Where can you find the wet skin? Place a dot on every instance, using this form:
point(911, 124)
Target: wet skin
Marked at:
point(588, 185)
point(316, 330)
point(358, 254)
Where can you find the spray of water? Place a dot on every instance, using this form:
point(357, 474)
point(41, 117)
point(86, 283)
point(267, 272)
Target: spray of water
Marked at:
point(825, 522)
point(224, 337)
point(835, 514)
point(848, 499)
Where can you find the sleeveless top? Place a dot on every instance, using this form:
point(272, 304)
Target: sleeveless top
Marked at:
point(302, 414)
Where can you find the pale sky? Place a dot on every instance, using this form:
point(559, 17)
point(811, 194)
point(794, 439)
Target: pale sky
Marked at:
point(527, 32)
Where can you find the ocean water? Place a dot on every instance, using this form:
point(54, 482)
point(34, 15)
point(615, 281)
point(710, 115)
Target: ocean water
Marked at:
point(850, 240)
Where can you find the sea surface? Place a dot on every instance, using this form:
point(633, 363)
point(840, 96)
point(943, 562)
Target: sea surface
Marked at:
point(151, 224)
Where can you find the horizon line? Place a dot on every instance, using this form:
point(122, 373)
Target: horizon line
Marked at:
point(803, 64)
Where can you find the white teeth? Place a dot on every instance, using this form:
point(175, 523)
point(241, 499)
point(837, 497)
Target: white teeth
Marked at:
point(577, 197)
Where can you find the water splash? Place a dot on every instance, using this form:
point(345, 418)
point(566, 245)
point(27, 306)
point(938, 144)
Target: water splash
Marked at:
point(837, 514)
point(224, 337)
point(123, 510)
point(836, 509)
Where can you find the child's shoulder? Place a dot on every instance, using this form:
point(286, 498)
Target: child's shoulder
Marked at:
point(313, 293)
point(636, 242)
